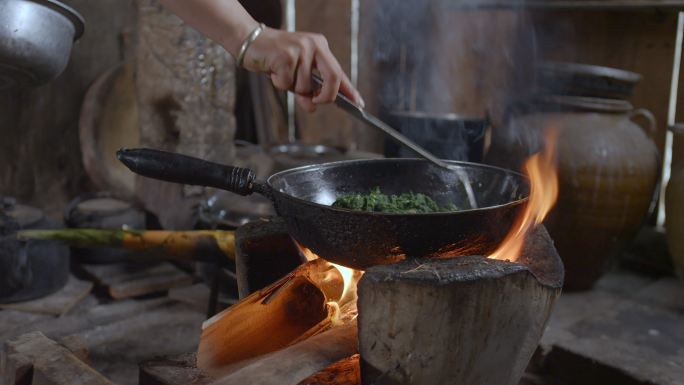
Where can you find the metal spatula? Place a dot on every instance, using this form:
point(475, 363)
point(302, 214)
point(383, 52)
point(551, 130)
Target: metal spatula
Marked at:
point(358, 112)
point(344, 103)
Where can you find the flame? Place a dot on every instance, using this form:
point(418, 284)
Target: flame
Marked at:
point(540, 168)
point(350, 278)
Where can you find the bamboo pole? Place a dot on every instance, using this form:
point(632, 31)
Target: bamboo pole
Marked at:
point(182, 245)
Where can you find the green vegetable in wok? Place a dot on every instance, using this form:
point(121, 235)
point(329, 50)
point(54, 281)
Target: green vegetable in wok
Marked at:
point(406, 203)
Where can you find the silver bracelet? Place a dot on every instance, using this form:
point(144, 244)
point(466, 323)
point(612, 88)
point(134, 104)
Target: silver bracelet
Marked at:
point(248, 41)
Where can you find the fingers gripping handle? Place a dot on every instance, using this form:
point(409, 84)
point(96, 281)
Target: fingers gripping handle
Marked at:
point(184, 169)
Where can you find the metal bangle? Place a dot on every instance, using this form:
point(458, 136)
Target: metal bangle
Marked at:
point(248, 41)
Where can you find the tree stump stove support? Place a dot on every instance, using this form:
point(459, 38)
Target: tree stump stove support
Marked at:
point(465, 320)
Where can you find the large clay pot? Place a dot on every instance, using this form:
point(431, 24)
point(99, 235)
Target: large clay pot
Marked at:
point(608, 170)
point(674, 202)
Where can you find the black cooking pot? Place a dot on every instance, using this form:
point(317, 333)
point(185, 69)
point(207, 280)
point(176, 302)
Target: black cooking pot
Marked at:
point(447, 136)
point(32, 269)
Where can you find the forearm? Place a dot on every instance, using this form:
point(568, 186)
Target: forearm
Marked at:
point(224, 21)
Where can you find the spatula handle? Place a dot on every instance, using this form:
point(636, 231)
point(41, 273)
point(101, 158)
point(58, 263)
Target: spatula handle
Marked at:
point(177, 168)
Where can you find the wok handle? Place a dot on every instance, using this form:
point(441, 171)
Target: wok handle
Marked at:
point(177, 168)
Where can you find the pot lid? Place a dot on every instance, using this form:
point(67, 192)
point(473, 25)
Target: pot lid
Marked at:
point(578, 69)
point(25, 216)
point(103, 205)
point(433, 115)
point(584, 103)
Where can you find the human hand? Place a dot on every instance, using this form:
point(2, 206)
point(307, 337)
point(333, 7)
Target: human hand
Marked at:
point(290, 57)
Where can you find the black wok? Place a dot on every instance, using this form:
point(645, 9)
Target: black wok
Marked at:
point(357, 239)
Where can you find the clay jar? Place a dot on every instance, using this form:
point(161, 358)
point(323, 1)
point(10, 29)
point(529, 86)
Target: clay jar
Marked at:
point(608, 170)
point(674, 202)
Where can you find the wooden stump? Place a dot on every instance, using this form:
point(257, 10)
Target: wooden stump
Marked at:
point(468, 320)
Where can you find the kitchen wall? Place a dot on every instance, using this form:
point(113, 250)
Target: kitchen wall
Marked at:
point(40, 157)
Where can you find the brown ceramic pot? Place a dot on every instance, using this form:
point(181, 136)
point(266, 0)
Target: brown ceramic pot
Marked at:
point(608, 170)
point(674, 202)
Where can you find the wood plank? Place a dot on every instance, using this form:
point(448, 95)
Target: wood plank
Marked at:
point(35, 359)
point(57, 303)
point(197, 296)
point(72, 323)
point(127, 280)
point(181, 370)
point(116, 349)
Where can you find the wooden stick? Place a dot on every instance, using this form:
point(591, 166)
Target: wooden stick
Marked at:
point(295, 363)
point(466, 320)
point(343, 372)
point(183, 245)
point(291, 309)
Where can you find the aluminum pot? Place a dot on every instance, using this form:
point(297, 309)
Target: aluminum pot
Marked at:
point(36, 37)
point(31, 269)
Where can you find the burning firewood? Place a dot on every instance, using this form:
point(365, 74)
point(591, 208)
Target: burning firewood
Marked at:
point(301, 305)
point(342, 372)
point(469, 320)
point(295, 363)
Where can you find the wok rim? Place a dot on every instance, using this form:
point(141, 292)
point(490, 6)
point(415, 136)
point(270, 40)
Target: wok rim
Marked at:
point(283, 173)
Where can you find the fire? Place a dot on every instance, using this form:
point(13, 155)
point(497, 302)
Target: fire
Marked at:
point(350, 278)
point(541, 170)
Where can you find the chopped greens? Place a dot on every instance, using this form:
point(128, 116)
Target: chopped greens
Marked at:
point(406, 203)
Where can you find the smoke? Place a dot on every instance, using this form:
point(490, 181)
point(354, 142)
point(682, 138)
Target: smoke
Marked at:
point(447, 57)
point(444, 57)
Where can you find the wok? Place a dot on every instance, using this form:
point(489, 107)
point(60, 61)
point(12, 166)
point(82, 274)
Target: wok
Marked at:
point(357, 239)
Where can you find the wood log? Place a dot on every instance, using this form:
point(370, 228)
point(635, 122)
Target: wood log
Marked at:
point(295, 363)
point(35, 359)
point(342, 372)
point(288, 311)
point(469, 320)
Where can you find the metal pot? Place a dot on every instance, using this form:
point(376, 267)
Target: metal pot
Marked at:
point(575, 79)
point(447, 136)
point(31, 269)
point(36, 37)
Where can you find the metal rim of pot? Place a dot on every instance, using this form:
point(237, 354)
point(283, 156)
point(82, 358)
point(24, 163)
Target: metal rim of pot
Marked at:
point(36, 40)
point(66, 11)
point(579, 69)
point(437, 116)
